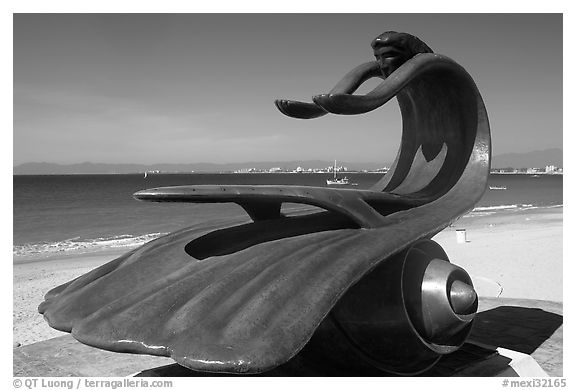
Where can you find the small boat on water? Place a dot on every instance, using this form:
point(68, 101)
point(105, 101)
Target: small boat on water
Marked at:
point(498, 188)
point(339, 181)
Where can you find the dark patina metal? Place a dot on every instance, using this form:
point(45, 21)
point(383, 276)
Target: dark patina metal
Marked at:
point(246, 297)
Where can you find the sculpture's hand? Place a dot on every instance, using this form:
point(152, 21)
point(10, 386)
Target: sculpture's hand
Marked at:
point(299, 110)
point(349, 83)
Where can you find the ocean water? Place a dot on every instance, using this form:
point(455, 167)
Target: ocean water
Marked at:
point(58, 214)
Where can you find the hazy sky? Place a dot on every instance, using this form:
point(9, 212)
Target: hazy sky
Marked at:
point(184, 88)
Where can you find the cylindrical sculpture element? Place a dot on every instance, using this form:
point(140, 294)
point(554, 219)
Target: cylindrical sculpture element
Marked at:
point(408, 311)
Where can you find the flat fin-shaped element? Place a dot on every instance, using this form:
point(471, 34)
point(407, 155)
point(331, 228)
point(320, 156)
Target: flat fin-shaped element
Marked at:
point(264, 202)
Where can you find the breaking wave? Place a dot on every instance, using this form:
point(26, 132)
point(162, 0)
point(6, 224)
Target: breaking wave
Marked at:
point(488, 210)
point(78, 244)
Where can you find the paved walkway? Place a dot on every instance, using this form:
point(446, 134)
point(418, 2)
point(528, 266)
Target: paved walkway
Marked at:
point(528, 326)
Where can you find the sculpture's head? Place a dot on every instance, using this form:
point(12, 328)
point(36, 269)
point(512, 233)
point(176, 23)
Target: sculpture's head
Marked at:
point(392, 49)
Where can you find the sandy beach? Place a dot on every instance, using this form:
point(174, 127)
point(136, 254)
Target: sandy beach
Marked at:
point(514, 254)
point(33, 279)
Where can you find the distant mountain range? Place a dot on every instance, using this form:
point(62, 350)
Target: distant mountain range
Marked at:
point(534, 159)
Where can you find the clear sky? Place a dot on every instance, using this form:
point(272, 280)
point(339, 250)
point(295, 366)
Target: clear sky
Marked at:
point(185, 88)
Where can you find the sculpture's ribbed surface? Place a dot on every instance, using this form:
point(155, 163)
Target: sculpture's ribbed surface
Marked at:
point(244, 299)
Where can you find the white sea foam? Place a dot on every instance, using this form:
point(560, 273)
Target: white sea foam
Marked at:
point(500, 207)
point(82, 245)
point(489, 210)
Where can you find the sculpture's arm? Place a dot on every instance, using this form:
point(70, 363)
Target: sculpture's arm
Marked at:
point(349, 83)
point(337, 102)
point(353, 79)
point(347, 104)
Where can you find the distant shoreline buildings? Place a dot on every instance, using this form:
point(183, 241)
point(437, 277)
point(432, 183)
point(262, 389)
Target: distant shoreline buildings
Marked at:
point(548, 170)
point(329, 169)
point(87, 169)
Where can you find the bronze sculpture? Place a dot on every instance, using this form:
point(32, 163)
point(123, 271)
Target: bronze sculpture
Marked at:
point(245, 298)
